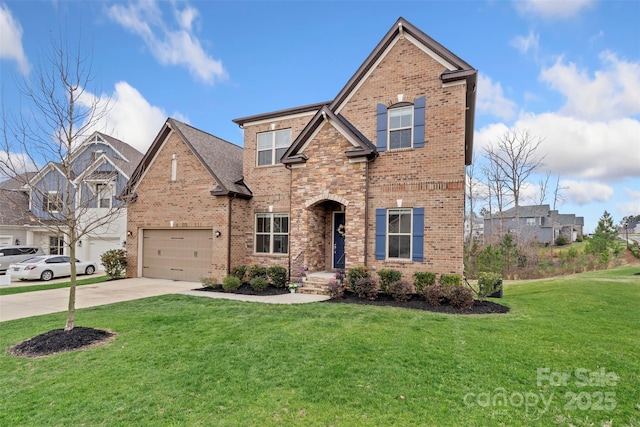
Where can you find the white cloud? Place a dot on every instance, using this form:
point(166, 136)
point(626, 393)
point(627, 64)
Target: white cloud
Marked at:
point(525, 44)
point(491, 99)
point(11, 40)
point(169, 46)
point(15, 163)
point(584, 192)
point(631, 205)
point(130, 117)
point(552, 8)
point(612, 92)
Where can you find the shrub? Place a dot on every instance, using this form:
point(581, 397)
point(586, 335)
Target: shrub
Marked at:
point(449, 280)
point(336, 289)
point(422, 279)
point(460, 297)
point(366, 288)
point(579, 238)
point(259, 284)
point(256, 270)
point(239, 271)
point(434, 294)
point(230, 283)
point(278, 276)
point(355, 273)
point(562, 240)
point(115, 262)
point(388, 276)
point(488, 283)
point(208, 282)
point(635, 250)
point(400, 290)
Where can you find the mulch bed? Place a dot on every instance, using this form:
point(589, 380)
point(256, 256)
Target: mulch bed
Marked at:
point(246, 289)
point(479, 307)
point(59, 340)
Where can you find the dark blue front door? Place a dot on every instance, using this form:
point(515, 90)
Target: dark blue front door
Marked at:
point(338, 240)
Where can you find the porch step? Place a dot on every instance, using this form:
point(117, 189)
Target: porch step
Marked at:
point(317, 283)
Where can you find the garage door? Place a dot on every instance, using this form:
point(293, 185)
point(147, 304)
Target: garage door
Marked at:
point(177, 254)
point(99, 246)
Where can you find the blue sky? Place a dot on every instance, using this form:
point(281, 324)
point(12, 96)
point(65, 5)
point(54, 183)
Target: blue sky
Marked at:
point(567, 71)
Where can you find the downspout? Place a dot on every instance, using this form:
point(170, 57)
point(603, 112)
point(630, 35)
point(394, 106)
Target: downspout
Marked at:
point(290, 216)
point(366, 211)
point(229, 234)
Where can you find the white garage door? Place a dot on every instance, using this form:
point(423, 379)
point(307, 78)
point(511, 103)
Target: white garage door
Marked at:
point(177, 254)
point(99, 246)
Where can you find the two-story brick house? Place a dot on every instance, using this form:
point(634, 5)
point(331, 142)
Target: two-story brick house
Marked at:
point(373, 177)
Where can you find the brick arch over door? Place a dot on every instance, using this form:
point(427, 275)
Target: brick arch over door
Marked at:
point(326, 196)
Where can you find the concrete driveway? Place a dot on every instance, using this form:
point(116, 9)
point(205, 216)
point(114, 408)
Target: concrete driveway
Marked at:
point(28, 304)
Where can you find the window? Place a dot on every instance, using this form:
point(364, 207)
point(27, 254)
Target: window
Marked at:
point(174, 168)
point(272, 233)
point(52, 202)
point(531, 221)
point(56, 245)
point(104, 195)
point(400, 234)
point(272, 145)
point(400, 127)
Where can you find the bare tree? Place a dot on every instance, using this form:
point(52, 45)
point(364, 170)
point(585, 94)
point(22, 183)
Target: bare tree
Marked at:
point(61, 116)
point(558, 194)
point(515, 156)
point(543, 188)
point(471, 193)
point(496, 189)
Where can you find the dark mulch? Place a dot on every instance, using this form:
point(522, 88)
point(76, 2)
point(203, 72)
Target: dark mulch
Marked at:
point(59, 340)
point(479, 307)
point(246, 289)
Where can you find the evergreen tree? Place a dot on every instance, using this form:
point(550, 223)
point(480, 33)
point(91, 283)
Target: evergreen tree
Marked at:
point(604, 236)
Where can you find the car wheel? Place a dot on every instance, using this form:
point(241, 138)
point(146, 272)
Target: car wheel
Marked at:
point(90, 270)
point(46, 275)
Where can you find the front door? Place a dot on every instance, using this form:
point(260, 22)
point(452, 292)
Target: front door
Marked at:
point(338, 240)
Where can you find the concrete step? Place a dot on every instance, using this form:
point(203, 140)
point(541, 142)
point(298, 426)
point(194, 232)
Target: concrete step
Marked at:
point(317, 283)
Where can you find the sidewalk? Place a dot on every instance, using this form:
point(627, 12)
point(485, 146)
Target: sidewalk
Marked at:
point(28, 304)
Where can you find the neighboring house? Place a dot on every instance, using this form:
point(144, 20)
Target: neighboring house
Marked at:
point(537, 223)
point(474, 228)
point(375, 177)
point(100, 167)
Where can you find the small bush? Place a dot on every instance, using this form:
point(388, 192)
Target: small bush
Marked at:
point(635, 250)
point(259, 284)
point(366, 288)
point(449, 280)
point(434, 294)
point(336, 289)
point(579, 238)
point(388, 276)
point(230, 283)
point(400, 290)
point(115, 262)
point(355, 273)
point(278, 276)
point(240, 271)
point(488, 283)
point(208, 282)
point(562, 241)
point(460, 297)
point(422, 279)
point(256, 270)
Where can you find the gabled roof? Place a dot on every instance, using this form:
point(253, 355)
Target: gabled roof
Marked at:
point(362, 147)
point(14, 202)
point(222, 159)
point(127, 159)
point(534, 211)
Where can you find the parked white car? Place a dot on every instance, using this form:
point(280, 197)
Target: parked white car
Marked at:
point(47, 267)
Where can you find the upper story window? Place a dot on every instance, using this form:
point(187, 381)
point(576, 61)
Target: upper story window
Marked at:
point(272, 145)
point(52, 202)
point(401, 125)
point(104, 195)
point(531, 221)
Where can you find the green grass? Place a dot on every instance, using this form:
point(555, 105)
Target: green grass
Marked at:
point(23, 289)
point(180, 360)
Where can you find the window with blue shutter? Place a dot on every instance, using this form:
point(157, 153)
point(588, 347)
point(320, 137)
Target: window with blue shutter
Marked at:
point(401, 126)
point(400, 234)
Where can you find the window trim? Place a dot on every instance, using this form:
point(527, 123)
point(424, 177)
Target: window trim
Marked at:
point(59, 247)
point(273, 149)
point(100, 187)
point(54, 202)
point(390, 130)
point(389, 234)
point(271, 233)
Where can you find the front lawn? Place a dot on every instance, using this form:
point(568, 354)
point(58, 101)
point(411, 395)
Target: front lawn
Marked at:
point(180, 360)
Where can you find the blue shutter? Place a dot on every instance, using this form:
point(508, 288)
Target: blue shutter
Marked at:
point(418, 122)
point(418, 235)
point(381, 233)
point(381, 136)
